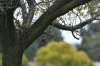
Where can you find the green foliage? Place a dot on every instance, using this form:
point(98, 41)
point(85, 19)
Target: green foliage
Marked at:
point(91, 41)
point(0, 62)
point(81, 59)
point(61, 54)
point(0, 59)
point(24, 61)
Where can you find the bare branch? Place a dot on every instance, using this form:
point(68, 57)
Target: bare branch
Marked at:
point(74, 35)
point(48, 17)
point(78, 26)
point(24, 12)
point(30, 14)
point(69, 6)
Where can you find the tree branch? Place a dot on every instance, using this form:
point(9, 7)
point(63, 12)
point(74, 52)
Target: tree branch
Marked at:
point(78, 26)
point(48, 17)
point(30, 14)
point(24, 12)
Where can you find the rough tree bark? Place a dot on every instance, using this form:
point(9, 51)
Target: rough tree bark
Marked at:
point(15, 42)
point(12, 53)
point(11, 49)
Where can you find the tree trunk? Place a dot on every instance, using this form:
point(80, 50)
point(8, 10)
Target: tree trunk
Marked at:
point(11, 45)
point(11, 49)
point(12, 57)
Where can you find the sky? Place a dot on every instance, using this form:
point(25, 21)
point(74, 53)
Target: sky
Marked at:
point(68, 37)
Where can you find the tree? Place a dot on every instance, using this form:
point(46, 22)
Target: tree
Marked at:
point(24, 60)
point(91, 41)
point(17, 36)
point(61, 54)
point(52, 34)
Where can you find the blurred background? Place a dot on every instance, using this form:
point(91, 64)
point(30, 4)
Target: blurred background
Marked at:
point(86, 39)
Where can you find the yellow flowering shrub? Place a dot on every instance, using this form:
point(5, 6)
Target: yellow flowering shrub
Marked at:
point(82, 59)
point(61, 54)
